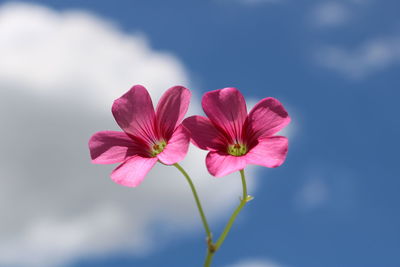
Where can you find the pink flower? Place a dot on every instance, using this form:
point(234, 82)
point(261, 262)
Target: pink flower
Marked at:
point(235, 138)
point(148, 135)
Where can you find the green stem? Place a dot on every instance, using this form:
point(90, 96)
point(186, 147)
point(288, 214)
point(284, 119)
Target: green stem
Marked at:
point(196, 197)
point(209, 258)
point(244, 200)
point(211, 247)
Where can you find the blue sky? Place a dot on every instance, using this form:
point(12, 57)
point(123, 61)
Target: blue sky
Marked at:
point(336, 66)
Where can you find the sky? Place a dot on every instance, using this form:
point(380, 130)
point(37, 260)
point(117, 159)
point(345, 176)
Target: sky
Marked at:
point(334, 64)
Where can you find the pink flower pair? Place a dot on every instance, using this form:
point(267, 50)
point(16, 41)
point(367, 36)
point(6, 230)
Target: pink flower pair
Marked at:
point(233, 137)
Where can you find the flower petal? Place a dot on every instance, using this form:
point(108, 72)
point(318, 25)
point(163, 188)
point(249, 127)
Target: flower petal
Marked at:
point(108, 147)
point(266, 118)
point(132, 171)
point(269, 152)
point(177, 147)
point(203, 133)
point(135, 115)
point(226, 108)
point(171, 109)
point(219, 164)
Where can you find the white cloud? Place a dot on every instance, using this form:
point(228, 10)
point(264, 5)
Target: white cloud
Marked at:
point(332, 188)
point(59, 73)
point(332, 13)
point(257, 263)
point(313, 194)
point(369, 57)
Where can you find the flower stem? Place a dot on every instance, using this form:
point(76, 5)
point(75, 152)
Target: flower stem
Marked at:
point(243, 201)
point(209, 258)
point(212, 248)
point(196, 197)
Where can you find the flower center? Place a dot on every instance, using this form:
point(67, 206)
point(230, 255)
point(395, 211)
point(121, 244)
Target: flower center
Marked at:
point(158, 148)
point(237, 149)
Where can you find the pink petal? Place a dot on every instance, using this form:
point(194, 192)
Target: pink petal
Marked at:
point(226, 108)
point(134, 113)
point(132, 172)
point(112, 147)
point(219, 164)
point(266, 118)
point(269, 152)
point(204, 134)
point(177, 147)
point(171, 109)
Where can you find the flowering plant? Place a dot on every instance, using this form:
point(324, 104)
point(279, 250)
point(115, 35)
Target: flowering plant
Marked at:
point(233, 138)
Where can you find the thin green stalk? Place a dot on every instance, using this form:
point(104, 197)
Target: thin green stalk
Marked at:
point(196, 197)
point(209, 258)
point(244, 200)
point(212, 248)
